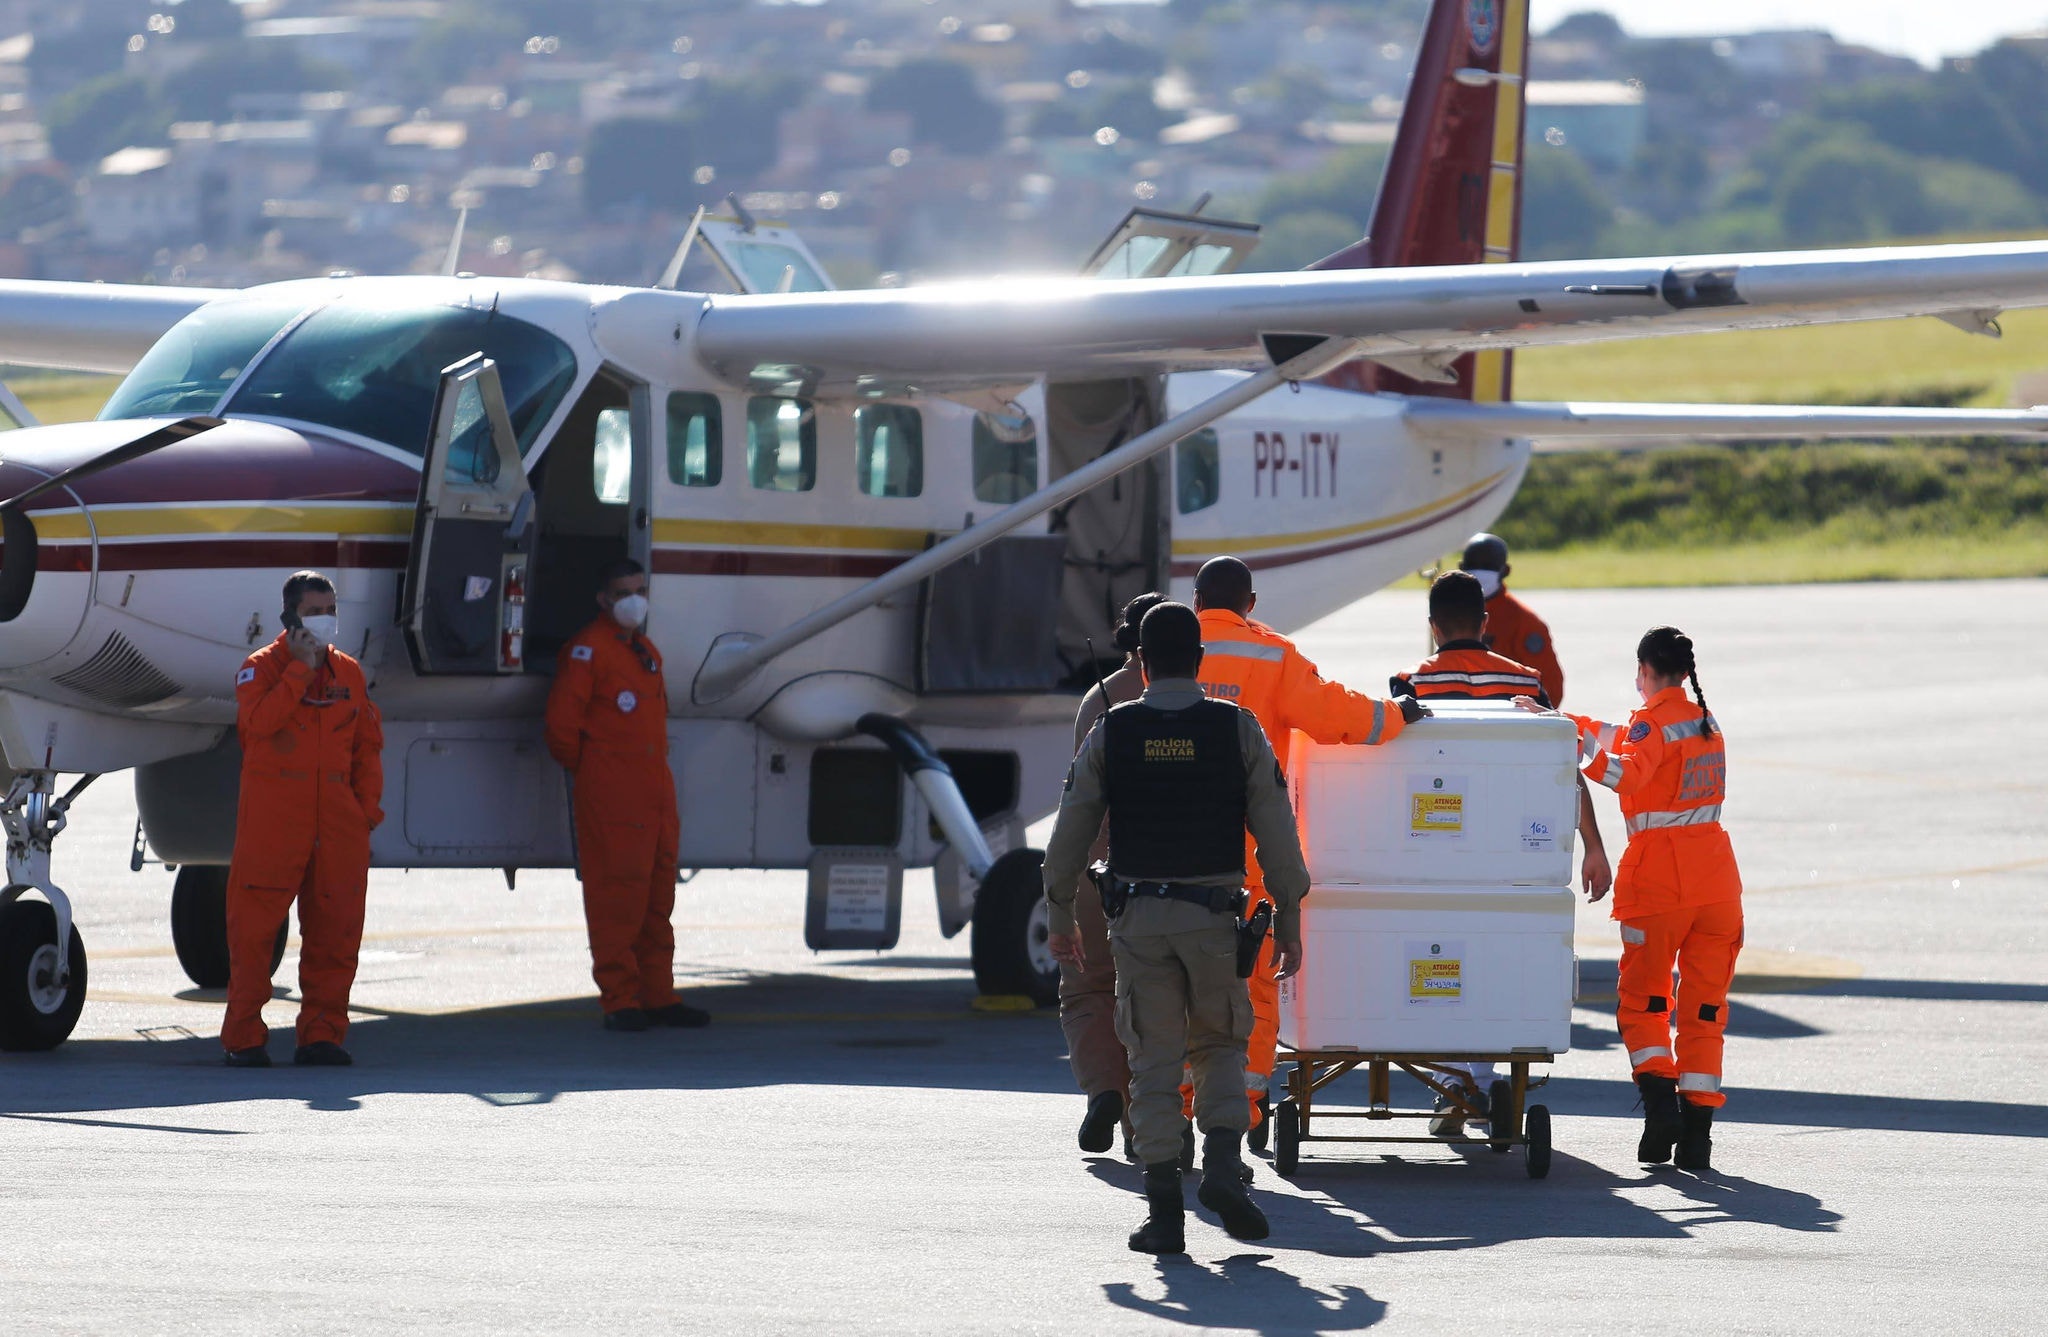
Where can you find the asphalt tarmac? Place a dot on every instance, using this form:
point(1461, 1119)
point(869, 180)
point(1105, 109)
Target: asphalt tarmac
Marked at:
point(851, 1149)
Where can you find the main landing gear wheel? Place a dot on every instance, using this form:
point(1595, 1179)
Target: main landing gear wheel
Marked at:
point(1286, 1138)
point(1536, 1153)
point(199, 926)
point(36, 1012)
point(1012, 944)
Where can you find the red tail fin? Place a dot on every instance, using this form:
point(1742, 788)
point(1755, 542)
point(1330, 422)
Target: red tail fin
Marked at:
point(1452, 193)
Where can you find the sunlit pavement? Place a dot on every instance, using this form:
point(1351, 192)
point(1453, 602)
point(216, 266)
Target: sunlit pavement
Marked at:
point(851, 1149)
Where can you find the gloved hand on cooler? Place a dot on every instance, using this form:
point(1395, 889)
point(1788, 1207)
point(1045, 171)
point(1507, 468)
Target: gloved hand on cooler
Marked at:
point(1411, 709)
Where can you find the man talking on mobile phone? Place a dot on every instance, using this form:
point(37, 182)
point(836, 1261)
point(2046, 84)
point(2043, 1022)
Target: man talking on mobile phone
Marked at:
point(312, 781)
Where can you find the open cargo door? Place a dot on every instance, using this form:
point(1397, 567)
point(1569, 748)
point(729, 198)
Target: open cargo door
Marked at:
point(465, 577)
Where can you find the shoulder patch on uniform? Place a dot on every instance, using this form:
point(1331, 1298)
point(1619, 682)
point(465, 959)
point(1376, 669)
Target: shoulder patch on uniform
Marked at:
point(1536, 642)
point(1639, 732)
point(247, 675)
point(579, 652)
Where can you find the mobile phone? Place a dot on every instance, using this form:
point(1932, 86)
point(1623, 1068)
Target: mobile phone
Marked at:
point(291, 620)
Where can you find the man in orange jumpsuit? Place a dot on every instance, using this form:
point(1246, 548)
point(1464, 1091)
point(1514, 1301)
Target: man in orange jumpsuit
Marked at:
point(1677, 896)
point(312, 780)
point(1249, 664)
point(1511, 629)
point(608, 725)
point(1464, 669)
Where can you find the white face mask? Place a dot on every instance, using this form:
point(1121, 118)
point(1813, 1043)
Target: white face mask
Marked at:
point(1489, 582)
point(324, 626)
point(630, 611)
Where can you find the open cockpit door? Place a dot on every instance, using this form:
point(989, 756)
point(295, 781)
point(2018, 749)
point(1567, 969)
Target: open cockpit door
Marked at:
point(1155, 244)
point(465, 580)
point(762, 257)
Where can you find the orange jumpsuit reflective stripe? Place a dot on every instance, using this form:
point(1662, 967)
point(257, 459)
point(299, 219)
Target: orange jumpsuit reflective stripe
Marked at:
point(1251, 665)
point(1468, 671)
point(607, 724)
point(1514, 631)
point(1677, 893)
point(312, 782)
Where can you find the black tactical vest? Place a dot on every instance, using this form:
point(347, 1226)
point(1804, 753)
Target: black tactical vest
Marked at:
point(1176, 791)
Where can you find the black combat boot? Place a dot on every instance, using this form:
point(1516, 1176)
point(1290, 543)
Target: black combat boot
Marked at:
point(1696, 1142)
point(1661, 1125)
point(1165, 1228)
point(1098, 1126)
point(1223, 1191)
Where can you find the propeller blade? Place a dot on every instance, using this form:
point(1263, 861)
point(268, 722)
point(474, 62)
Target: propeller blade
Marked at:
point(182, 430)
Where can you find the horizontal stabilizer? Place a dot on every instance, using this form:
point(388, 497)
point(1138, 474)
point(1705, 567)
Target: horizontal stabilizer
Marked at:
point(1567, 427)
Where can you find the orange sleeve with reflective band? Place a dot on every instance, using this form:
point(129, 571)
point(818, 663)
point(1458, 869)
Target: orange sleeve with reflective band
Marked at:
point(1623, 764)
point(1330, 712)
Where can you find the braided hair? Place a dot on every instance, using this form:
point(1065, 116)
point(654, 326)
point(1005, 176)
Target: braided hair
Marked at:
point(1125, 638)
point(1668, 652)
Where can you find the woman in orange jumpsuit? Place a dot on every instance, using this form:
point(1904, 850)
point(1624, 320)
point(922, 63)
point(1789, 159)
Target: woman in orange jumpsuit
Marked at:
point(1677, 895)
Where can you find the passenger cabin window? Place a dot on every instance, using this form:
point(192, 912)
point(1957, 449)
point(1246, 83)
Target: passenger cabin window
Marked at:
point(1198, 476)
point(611, 459)
point(889, 458)
point(1005, 457)
point(782, 444)
point(696, 440)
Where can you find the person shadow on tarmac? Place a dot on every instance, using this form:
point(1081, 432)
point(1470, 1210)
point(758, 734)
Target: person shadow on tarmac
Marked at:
point(1245, 1292)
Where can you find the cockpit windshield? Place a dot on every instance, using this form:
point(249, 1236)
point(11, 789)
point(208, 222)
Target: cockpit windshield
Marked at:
point(373, 371)
point(369, 370)
point(192, 366)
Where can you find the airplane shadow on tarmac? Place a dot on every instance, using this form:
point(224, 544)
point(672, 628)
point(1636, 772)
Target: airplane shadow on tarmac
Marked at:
point(772, 1029)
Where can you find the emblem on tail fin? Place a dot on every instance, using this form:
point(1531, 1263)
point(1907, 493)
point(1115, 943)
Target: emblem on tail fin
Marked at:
point(1482, 19)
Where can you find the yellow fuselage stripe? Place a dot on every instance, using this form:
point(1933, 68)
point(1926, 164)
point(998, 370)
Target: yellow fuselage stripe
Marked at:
point(201, 522)
point(742, 534)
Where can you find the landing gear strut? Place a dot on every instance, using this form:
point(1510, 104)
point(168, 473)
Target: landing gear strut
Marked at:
point(42, 958)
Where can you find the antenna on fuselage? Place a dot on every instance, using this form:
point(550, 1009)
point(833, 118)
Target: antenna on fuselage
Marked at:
point(1201, 204)
point(674, 273)
point(449, 265)
point(747, 221)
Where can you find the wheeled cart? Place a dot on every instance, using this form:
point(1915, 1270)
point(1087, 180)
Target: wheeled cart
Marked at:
point(1294, 1120)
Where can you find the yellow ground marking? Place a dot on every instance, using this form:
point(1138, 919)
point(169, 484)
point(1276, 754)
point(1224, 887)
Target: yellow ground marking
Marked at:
point(1190, 547)
point(737, 533)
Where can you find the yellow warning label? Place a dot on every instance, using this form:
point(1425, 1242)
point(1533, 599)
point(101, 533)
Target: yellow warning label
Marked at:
point(1435, 979)
point(1439, 813)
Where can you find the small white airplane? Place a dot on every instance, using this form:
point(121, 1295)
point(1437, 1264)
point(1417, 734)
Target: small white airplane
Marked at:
point(888, 530)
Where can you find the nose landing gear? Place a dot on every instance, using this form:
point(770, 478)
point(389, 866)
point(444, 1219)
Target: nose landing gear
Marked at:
point(42, 958)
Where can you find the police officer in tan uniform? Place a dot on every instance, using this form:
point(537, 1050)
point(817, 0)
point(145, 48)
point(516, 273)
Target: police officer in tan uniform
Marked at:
point(1180, 777)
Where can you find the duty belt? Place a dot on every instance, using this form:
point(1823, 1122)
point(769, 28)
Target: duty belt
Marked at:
point(1658, 821)
point(1220, 898)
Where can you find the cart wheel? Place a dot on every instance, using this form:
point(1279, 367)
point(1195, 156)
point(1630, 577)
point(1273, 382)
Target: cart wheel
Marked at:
point(1258, 1137)
point(1536, 1152)
point(1286, 1138)
point(1501, 1129)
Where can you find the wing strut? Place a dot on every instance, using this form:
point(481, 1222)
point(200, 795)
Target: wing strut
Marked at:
point(737, 656)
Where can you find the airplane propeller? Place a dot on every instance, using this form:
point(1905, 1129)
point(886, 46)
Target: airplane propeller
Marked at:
point(169, 435)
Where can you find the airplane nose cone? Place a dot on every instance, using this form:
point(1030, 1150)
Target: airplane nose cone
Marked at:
point(46, 561)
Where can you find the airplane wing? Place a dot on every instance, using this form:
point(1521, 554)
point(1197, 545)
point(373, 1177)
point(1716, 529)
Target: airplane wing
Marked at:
point(1558, 428)
point(89, 326)
point(976, 335)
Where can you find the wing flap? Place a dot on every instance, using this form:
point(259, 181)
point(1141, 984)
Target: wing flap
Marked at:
point(947, 337)
point(1580, 427)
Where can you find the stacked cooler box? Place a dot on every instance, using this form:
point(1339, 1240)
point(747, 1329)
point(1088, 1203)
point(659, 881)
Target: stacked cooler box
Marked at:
point(1440, 920)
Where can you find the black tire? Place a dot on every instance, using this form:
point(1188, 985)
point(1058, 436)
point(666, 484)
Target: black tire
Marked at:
point(30, 1017)
point(1258, 1137)
point(1286, 1138)
point(199, 926)
point(1500, 1133)
point(1009, 942)
point(1536, 1154)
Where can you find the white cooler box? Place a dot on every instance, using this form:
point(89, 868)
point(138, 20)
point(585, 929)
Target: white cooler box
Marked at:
point(1481, 794)
point(1433, 970)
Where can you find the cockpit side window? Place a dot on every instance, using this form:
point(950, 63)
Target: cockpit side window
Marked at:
point(192, 366)
point(373, 370)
